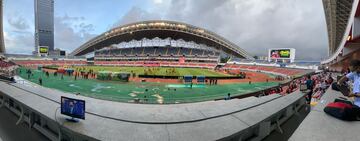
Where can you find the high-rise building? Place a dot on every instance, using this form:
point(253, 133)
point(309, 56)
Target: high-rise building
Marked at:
point(2, 44)
point(44, 24)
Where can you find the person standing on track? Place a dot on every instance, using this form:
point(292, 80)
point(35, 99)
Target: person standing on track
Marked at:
point(40, 80)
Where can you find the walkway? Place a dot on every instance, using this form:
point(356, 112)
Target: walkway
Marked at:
point(318, 126)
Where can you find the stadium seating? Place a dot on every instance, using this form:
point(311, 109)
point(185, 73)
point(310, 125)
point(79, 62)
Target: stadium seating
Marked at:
point(7, 69)
point(160, 51)
point(156, 51)
point(50, 62)
point(284, 71)
point(157, 56)
point(156, 64)
point(4, 64)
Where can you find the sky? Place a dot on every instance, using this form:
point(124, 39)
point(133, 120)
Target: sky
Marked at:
point(254, 25)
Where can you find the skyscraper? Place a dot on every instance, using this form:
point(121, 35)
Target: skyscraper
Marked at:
point(2, 45)
point(44, 24)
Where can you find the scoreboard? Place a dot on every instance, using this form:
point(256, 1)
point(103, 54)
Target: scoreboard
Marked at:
point(281, 55)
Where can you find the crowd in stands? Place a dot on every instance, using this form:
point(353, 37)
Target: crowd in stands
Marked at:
point(276, 70)
point(156, 64)
point(156, 51)
point(7, 68)
point(315, 86)
point(30, 63)
point(298, 64)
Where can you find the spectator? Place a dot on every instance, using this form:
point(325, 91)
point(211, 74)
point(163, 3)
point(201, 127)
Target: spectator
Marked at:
point(354, 76)
point(228, 97)
point(309, 84)
point(40, 80)
point(323, 86)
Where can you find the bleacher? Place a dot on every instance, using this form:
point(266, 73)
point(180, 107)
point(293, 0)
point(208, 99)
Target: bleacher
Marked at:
point(156, 51)
point(160, 51)
point(149, 51)
point(4, 64)
point(124, 52)
point(270, 69)
point(157, 56)
point(197, 52)
point(50, 62)
point(185, 51)
point(172, 51)
point(7, 69)
point(156, 63)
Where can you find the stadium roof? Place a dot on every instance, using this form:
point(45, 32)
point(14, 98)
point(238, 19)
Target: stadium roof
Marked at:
point(339, 16)
point(161, 29)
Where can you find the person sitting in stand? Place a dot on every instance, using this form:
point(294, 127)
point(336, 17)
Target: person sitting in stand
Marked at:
point(354, 76)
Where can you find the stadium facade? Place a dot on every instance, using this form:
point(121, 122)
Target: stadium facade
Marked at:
point(2, 44)
point(343, 25)
point(44, 24)
point(163, 30)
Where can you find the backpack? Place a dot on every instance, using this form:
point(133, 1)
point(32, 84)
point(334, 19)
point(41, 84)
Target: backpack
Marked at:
point(335, 86)
point(343, 109)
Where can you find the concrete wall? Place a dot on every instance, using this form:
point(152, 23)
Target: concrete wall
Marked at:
point(238, 119)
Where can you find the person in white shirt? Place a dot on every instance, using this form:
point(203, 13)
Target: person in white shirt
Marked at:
point(323, 86)
point(354, 76)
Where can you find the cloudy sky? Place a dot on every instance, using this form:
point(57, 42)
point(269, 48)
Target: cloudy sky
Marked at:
point(254, 25)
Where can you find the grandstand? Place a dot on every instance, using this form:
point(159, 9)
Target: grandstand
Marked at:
point(158, 52)
point(165, 63)
point(45, 62)
point(268, 69)
point(7, 68)
point(34, 61)
point(161, 33)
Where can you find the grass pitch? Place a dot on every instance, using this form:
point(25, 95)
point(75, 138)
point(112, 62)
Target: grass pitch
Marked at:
point(143, 92)
point(155, 70)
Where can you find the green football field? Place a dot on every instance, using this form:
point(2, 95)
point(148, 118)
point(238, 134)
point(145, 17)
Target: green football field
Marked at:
point(155, 70)
point(144, 92)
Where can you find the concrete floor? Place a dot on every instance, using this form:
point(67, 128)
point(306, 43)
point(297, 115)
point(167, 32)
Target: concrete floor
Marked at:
point(11, 132)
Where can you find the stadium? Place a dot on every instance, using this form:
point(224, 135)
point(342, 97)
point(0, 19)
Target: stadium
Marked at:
point(167, 80)
point(132, 63)
point(155, 62)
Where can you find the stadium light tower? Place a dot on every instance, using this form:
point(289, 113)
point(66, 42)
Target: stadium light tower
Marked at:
point(2, 44)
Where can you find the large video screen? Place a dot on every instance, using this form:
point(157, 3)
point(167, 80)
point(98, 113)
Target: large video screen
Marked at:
point(43, 50)
point(280, 53)
point(62, 53)
point(73, 107)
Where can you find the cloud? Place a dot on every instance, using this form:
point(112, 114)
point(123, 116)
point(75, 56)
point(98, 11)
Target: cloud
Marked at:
point(71, 32)
point(19, 37)
point(19, 43)
point(257, 25)
point(18, 23)
point(136, 14)
point(254, 25)
point(158, 1)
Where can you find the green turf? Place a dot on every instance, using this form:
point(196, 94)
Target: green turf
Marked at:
point(157, 92)
point(156, 70)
